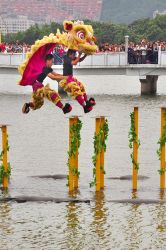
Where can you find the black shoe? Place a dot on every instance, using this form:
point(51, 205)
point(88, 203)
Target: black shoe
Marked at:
point(67, 108)
point(26, 108)
point(88, 108)
point(92, 101)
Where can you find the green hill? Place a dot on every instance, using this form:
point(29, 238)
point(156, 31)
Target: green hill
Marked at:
point(126, 11)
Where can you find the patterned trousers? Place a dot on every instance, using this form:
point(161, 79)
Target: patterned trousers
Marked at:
point(73, 87)
point(45, 92)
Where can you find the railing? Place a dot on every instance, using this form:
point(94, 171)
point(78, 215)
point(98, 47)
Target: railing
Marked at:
point(100, 59)
point(106, 59)
point(162, 58)
point(13, 59)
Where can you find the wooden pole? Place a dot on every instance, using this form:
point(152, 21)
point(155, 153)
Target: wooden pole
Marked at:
point(162, 161)
point(98, 170)
point(75, 179)
point(135, 151)
point(102, 158)
point(5, 160)
point(71, 157)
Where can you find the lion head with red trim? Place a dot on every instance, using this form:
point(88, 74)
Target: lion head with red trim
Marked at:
point(79, 36)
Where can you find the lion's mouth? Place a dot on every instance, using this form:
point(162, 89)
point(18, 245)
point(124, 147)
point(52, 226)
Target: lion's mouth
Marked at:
point(91, 46)
point(91, 43)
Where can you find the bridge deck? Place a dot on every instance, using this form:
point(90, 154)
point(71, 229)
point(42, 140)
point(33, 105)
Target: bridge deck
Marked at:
point(130, 70)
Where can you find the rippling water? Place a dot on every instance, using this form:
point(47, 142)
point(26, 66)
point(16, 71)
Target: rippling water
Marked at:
point(73, 226)
point(39, 144)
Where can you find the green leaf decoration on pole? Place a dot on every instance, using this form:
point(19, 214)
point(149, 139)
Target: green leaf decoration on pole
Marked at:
point(133, 139)
point(161, 142)
point(2, 170)
point(99, 142)
point(75, 131)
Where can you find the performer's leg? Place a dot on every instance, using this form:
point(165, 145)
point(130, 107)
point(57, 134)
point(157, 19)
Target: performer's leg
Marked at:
point(80, 99)
point(54, 97)
point(87, 104)
point(36, 103)
point(77, 91)
point(66, 108)
point(91, 101)
point(85, 97)
point(31, 105)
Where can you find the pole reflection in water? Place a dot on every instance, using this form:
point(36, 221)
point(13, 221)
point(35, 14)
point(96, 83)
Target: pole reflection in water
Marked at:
point(161, 218)
point(99, 226)
point(5, 225)
point(158, 225)
point(132, 228)
point(162, 194)
point(72, 234)
point(83, 232)
point(134, 195)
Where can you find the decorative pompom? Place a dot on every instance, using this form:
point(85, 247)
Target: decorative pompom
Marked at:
point(68, 25)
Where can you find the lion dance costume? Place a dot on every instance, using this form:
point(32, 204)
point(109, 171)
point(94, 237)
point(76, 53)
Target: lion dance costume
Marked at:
point(77, 36)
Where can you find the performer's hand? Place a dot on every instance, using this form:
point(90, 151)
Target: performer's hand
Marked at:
point(83, 57)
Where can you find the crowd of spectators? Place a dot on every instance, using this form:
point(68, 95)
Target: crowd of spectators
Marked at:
point(106, 48)
point(16, 47)
point(145, 52)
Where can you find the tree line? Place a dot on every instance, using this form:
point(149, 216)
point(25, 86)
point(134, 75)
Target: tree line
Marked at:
point(152, 29)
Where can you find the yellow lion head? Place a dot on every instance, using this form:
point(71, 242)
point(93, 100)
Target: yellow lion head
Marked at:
point(79, 36)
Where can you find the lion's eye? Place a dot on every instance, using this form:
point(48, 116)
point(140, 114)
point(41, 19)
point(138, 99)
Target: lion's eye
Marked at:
point(81, 35)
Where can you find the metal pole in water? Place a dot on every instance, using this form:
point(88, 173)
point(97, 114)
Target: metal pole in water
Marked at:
point(135, 151)
point(5, 160)
point(98, 170)
point(162, 160)
point(102, 157)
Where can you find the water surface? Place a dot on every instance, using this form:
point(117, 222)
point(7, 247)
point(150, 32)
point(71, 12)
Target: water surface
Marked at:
point(39, 144)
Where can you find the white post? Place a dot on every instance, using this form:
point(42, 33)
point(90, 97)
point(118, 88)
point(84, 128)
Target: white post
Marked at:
point(126, 47)
point(159, 55)
point(23, 53)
